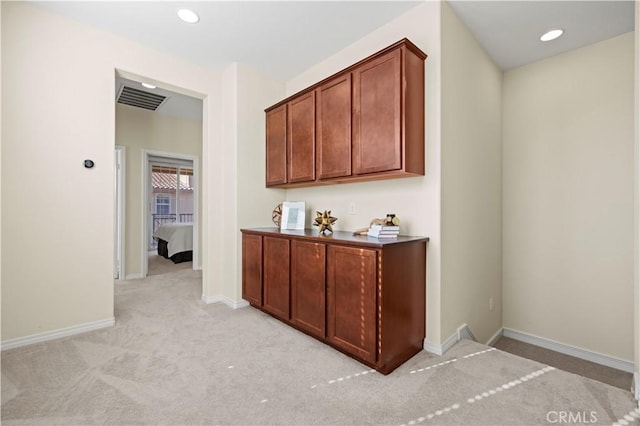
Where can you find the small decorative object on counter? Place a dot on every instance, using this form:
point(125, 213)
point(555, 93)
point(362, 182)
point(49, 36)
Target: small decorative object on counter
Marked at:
point(293, 215)
point(391, 219)
point(276, 215)
point(324, 220)
point(389, 227)
point(383, 231)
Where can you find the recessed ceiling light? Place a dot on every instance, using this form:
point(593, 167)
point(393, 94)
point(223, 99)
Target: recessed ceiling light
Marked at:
point(148, 86)
point(551, 35)
point(188, 15)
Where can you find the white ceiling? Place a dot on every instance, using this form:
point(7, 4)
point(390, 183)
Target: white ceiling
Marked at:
point(278, 38)
point(510, 30)
point(284, 38)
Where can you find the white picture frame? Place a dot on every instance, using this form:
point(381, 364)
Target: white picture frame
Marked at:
point(293, 215)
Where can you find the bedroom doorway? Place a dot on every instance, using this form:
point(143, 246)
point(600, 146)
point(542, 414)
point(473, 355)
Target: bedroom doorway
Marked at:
point(171, 211)
point(172, 191)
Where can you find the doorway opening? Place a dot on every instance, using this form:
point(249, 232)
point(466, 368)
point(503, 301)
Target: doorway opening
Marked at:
point(171, 214)
point(170, 135)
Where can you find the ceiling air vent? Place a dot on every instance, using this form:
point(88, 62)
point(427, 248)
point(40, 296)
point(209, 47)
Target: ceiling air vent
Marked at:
point(140, 98)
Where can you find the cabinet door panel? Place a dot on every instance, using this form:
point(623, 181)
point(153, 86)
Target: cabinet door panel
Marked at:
point(377, 139)
point(308, 286)
point(351, 300)
point(252, 269)
point(276, 148)
point(333, 101)
point(276, 276)
point(301, 138)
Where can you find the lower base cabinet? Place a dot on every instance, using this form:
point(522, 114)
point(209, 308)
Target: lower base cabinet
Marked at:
point(252, 269)
point(275, 282)
point(308, 278)
point(362, 296)
point(351, 300)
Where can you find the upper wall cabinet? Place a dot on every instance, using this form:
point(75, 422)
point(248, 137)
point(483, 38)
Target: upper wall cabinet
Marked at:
point(363, 123)
point(301, 138)
point(377, 114)
point(333, 124)
point(277, 146)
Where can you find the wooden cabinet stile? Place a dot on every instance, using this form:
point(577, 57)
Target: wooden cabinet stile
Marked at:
point(380, 304)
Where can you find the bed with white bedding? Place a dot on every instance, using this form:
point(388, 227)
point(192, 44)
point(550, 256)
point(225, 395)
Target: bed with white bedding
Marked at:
point(175, 241)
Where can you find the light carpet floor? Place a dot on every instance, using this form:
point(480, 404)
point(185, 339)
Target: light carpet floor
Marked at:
point(618, 378)
point(171, 359)
point(158, 265)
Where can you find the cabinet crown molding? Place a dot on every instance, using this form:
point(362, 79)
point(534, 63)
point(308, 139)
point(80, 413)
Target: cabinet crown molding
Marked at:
point(404, 42)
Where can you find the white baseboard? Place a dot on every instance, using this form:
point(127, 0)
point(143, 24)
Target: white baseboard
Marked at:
point(233, 304)
point(581, 353)
point(56, 334)
point(464, 332)
point(493, 339)
point(438, 349)
point(433, 348)
point(136, 276)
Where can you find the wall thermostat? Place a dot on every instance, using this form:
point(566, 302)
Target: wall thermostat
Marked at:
point(89, 164)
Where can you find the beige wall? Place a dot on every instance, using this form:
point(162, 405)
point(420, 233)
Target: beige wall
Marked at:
point(246, 201)
point(568, 198)
point(255, 202)
point(416, 200)
point(230, 192)
point(57, 216)
point(138, 129)
point(471, 183)
point(1, 138)
point(637, 206)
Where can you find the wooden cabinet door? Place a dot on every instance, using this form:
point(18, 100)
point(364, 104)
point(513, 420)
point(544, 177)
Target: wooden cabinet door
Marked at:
point(252, 269)
point(301, 135)
point(308, 286)
point(351, 300)
point(377, 139)
point(333, 124)
point(276, 148)
point(276, 276)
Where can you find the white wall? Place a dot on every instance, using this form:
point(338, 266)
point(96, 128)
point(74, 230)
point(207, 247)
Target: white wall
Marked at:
point(416, 201)
point(140, 129)
point(57, 218)
point(568, 198)
point(471, 183)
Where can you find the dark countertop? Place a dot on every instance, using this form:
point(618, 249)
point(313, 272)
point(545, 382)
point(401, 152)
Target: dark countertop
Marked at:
point(336, 237)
